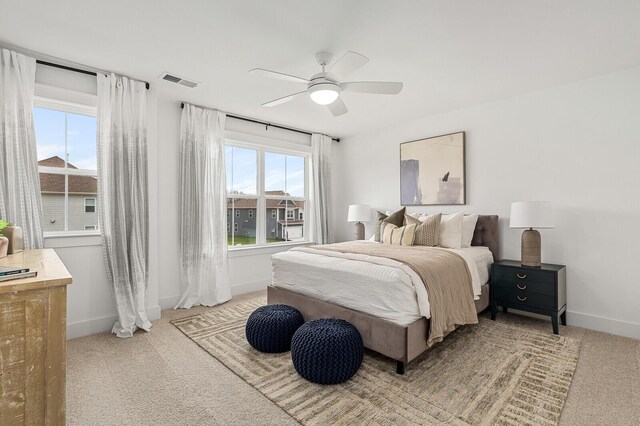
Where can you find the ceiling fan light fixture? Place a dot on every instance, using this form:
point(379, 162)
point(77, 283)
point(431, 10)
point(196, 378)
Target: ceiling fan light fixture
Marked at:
point(324, 93)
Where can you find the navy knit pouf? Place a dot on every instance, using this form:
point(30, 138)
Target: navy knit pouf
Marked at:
point(327, 351)
point(270, 328)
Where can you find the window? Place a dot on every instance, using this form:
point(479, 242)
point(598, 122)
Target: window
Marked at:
point(285, 184)
point(264, 181)
point(67, 163)
point(242, 192)
point(89, 205)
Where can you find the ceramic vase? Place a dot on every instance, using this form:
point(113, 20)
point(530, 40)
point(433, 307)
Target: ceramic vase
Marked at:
point(4, 246)
point(16, 239)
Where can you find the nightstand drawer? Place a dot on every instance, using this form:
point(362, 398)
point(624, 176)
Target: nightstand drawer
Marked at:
point(525, 299)
point(527, 286)
point(523, 275)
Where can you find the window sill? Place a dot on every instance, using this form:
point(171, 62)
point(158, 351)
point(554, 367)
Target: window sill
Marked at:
point(72, 239)
point(71, 234)
point(264, 249)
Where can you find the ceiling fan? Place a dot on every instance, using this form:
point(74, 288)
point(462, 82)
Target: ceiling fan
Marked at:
point(325, 87)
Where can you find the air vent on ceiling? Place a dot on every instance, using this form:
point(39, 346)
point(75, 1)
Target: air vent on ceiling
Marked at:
point(179, 80)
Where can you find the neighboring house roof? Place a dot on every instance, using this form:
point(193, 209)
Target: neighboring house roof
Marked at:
point(50, 182)
point(251, 203)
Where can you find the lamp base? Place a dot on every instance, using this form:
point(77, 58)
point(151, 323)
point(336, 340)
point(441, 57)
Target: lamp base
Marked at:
point(359, 231)
point(530, 248)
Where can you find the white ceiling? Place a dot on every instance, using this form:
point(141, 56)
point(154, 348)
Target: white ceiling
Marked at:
point(449, 54)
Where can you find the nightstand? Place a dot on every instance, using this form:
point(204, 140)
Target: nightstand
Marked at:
point(541, 290)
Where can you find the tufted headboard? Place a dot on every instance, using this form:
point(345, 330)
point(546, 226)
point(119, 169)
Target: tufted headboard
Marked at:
point(486, 234)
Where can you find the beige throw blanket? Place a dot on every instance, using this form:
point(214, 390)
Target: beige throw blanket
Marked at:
point(444, 274)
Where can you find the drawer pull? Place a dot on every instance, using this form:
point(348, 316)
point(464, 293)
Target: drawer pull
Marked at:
point(524, 287)
point(522, 299)
point(522, 277)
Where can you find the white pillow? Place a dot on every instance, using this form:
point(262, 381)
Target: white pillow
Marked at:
point(451, 231)
point(468, 226)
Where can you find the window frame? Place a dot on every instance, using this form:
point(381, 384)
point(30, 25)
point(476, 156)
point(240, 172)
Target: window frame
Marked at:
point(51, 99)
point(261, 209)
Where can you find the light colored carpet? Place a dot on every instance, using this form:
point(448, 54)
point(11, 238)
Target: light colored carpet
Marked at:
point(487, 374)
point(164, 378)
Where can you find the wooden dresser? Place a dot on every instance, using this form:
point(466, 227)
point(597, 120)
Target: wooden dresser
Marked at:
point(33, 321)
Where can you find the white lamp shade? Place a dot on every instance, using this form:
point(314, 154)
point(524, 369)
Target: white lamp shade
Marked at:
point(531, 214)
point(359, 213)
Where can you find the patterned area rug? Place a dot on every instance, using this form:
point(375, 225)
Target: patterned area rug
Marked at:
point(487, 374)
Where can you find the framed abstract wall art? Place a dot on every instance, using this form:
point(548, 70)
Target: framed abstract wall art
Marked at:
point(432, 171)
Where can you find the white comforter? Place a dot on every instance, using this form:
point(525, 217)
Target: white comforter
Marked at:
point(377, 286)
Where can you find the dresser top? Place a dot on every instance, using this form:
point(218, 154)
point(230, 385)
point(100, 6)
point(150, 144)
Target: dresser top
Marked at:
point(51, 270)
point(517, 264)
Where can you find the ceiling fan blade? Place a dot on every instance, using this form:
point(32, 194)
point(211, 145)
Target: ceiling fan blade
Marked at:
point(337, 107)
point(349, 62)
point(278, 75)
point(282, 100)
point(376, 87)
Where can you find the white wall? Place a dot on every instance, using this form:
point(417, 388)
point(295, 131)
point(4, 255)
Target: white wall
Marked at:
point(249, 269)
point(90, 304)
point(90, 307)
point(577, 146)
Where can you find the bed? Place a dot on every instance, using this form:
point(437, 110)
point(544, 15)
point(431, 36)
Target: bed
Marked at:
point(383, 298)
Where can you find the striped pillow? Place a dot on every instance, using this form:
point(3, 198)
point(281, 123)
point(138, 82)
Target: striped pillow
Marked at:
point(392, 234)
point(427, 229)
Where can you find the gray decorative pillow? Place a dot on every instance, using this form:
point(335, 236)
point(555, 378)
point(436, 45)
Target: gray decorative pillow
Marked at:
point(427, 230)
point(379, 218)
point(396, 218)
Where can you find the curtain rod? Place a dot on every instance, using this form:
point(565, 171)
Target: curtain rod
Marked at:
point(78, 70)
point(267, 124)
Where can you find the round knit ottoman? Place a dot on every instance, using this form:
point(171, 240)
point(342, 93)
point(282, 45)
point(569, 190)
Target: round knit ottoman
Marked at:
point(327, 351)
point(270, 328)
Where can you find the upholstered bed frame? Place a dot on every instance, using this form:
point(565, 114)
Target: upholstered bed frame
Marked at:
point(401, 343)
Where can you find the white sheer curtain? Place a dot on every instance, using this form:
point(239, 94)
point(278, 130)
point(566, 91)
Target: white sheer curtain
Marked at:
point(203, 205)
point(20, 201)
point(123, 199)
point(321, 188)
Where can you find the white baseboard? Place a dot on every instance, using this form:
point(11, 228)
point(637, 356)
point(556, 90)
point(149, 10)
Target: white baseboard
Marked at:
point(594, 322)
point(239, 289)
point(604, 324)
point(90, 326)
point(236, 290)
point(168, 302)
point(102, 324)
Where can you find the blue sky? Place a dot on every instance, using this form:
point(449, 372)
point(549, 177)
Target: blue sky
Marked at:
point(282, 172)
point(81, 137)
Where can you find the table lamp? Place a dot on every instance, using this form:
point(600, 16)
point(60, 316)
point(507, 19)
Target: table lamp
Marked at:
point(531, 214)
point(359, 213)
